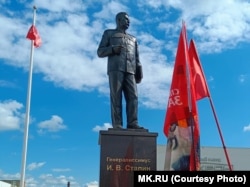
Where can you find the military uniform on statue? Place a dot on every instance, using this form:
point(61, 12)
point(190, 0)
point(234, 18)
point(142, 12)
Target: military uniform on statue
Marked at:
point(124, 70)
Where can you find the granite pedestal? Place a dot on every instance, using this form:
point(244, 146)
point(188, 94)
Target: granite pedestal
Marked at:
point(122, 153)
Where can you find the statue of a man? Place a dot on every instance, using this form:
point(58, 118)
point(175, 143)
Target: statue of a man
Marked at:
point(124, 71)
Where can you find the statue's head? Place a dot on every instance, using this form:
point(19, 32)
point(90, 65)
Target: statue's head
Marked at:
point(122, 20)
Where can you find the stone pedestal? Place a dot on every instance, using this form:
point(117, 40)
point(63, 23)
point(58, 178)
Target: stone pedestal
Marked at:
point(125, 151)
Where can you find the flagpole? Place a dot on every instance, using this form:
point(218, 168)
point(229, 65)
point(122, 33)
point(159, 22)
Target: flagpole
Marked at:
point(190, 106)
point(27, 118)
point(221, 137)
point(216, 119)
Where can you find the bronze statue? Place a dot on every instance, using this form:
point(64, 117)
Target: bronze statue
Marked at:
point(124, 71)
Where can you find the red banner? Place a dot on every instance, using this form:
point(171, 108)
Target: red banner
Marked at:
point(181, 120)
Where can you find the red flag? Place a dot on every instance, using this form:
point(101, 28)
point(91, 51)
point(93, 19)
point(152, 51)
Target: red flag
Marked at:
point(181, 121)
point(199, 81)
point(178, 108)
point(34, 35)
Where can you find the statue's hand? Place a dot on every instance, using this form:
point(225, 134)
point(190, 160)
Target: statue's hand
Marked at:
point(117, 49)
point(138, 73)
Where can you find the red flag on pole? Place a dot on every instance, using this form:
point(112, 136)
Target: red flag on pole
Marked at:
point(201, 88)
point(34, 35)
point(181, 121)
point(199, 81)
point(178, 108)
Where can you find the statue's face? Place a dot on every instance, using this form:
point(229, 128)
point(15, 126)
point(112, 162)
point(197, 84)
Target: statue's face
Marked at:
point(124, 22)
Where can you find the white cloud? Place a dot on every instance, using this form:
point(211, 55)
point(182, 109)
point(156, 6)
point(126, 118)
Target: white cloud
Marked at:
point(246, 128)
point(105, 126)
point(54, 124)
point(59, 6)
point(7, 176)
point(209, 21)
point(242, 78)
point(4, 83)
point(35, 165)
point(11, 116)
point(91, 184)
point(61, 169)
point(50, 180)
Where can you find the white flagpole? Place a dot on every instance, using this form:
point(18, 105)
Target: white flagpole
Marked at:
point(27, 119)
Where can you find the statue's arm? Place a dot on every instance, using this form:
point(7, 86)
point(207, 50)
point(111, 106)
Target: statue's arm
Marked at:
point(139, 71)
point(138, 63)
point(105, 49)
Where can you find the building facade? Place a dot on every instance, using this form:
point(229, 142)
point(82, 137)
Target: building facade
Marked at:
point(214, 158)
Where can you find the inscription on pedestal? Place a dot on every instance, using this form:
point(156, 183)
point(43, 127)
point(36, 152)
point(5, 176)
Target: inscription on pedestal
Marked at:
point(123, 152)
point(125, 164)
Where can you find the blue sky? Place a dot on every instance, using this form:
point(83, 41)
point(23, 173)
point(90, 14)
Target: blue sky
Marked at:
point(70, 94)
